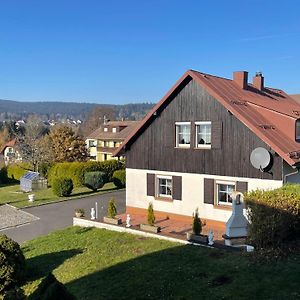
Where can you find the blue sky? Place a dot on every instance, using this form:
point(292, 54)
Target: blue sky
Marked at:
point(133, 51)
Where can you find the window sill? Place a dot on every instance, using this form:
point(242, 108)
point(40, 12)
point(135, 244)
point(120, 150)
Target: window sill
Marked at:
point(223, 207)
point(181, 147)
point(202, 148)
point(166, 199)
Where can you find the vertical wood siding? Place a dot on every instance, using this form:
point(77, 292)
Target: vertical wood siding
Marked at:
point(154, 148)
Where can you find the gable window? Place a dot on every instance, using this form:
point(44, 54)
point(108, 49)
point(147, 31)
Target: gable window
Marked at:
point(105, 129)
point(164, 186)
point(183, 134)
point(114, 129)
point(203, 135)
point(298, 130)
point(224, 190)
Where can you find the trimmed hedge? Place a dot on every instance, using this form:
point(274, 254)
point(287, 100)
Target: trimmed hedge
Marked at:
point(119, 178)
point(62, 187)
point(16, 171)
point(76, 170)
point(274, 216)
point(94, 180)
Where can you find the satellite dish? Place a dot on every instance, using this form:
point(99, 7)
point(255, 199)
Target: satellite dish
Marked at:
point(261, 159)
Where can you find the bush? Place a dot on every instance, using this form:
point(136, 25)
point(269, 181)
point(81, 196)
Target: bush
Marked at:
point(12, 264)
point(3, 175)
point(94, 180)
point(43, 169)
point(50, 288)
point(62, 187)
point(150, 214)
point(16, 171)
point(112, 209)
point(274, 216)
point(119, 178)
point(197, 224)
point(76, 170)
point(13, 294)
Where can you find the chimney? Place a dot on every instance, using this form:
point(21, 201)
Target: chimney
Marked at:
point(258, 81)
point(241, 79)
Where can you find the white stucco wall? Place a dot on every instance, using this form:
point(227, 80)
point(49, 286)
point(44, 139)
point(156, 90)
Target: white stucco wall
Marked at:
point(192, 193)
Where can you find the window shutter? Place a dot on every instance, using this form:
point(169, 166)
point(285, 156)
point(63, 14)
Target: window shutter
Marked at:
point(242, 186)
point(216, 135)
point(177, 187)
point(150, 184)
point(209, 191)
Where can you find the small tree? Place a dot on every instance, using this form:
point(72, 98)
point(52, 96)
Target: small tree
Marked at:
point(94, 180)
point(151, 216)
point(62, 187)
point(112, 209)
point(197, 224)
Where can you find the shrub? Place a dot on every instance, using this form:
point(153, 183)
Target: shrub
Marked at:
point(150, 214)
point(119, 178)
point(14, 294)
point(76, 170)
point(16, 171)
point(12, 264)
point(62, 187)
point(50, 288)
point(43, 169)
point(274, 216)
point(197, 224)
point(94, 180)
point(80, 211)
point(3, 175)
point(112, 209)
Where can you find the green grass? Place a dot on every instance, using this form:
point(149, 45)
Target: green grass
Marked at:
point(11, 194)
point(100, 264)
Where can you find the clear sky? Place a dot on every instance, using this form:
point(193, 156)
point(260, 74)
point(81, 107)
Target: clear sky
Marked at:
point(132, 51)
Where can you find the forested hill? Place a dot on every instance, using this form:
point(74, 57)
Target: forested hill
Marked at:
point(61, 110)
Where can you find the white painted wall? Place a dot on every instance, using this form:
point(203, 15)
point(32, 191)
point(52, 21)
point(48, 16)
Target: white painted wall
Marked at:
point(192, 193)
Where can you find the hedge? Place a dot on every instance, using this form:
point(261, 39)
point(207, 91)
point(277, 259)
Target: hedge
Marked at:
point(76, 170)
point(17, 170)
point(62, 187)
point(274, 216)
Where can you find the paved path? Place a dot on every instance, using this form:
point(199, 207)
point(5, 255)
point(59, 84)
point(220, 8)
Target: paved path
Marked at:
point(59, 215)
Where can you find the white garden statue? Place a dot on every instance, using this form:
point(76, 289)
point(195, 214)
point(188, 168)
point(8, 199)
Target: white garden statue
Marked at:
point(211, 237)
point(128, 221)
point(93, 213)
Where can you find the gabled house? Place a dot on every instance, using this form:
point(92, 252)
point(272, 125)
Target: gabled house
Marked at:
point(9, 152)
point(193, 149)
point(105, 140)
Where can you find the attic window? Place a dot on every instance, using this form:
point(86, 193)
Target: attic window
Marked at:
point(105, 129)
point(114, 129)
point(298, 130)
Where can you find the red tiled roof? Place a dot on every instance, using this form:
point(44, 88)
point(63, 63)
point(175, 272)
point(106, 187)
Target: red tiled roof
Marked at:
point(10, 143)
point(270, 114)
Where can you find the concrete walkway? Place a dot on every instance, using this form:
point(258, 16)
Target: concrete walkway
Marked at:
point(60, 215)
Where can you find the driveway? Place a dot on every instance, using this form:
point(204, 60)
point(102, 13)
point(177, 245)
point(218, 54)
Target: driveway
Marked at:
point(59, 215)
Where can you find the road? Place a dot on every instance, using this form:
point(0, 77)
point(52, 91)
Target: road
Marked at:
point(59, 215)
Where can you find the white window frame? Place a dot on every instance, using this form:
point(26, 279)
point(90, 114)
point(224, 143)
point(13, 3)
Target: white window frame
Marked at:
point(114, 130)
point(202, 146)
point(219, 182)
point(105, 129)
point(158, 178)
point(176, 132)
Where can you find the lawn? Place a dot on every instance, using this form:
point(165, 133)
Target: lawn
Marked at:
point(11, 194)
point(100, 264)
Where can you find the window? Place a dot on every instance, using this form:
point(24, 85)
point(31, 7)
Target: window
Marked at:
point(203, 134)
point(183, 134)
point(105, 129)
point(298, 130)
point(224, 190)
point(92, 143)
point(114, 129)
point(106, 144)
point(164, 186)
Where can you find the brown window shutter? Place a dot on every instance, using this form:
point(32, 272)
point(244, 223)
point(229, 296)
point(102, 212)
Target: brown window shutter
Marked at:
point(177, 187)
point(150, 184)
point(242, 186)
point(209, 191)
point(216, 135)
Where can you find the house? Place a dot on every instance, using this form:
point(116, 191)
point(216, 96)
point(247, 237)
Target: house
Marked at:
point(193, 149)
point(105, 140)
point(9, 152)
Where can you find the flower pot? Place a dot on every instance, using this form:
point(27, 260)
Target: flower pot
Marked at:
point(196, 238)
point(113, 221)
point(150, 228)
point(78, 214)
point(31, 197)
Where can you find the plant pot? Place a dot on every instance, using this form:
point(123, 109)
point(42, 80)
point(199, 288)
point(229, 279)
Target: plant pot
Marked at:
point(196, 238)
point(78, 215)
point(150, 228)
point(31, 197)
point(112, 221)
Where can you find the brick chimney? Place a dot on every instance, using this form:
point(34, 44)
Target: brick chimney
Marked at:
point(241, 79)
point(258, 81)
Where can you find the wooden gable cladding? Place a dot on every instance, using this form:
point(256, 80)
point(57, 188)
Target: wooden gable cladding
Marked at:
point(232, 141)
point(150, 184)
point(177, 187)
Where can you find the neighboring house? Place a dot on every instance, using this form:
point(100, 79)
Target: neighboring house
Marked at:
point(193, 149)
point(9, 152)
point(104, 141)
point(296, 97)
